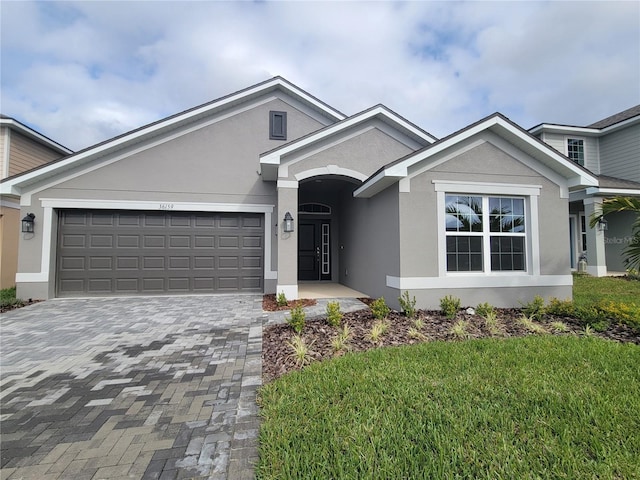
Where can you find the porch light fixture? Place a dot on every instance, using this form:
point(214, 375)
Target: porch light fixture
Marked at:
point(602, 225)
point(27, 223)
point(288, 222)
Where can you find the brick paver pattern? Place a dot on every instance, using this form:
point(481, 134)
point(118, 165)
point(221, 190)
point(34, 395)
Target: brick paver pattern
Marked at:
point(137, 387)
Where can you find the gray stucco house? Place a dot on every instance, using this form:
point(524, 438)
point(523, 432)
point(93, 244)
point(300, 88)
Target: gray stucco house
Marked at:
point(204, 201)
point(610, 148)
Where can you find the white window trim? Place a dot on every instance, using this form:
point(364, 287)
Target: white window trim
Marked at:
point(529, 192)
point(584, 148)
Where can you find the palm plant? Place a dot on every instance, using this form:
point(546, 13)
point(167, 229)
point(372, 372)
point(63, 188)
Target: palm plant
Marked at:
point(623, 204)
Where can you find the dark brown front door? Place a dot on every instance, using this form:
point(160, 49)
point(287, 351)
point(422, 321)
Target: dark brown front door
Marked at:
point(314, 259)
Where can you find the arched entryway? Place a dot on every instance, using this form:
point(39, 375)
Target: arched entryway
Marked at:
point(321, 202)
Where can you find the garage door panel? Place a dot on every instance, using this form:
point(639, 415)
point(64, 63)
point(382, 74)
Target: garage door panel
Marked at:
point(154, 241)
point(154, 263)
point(128, 263)
point(100, 263)
point(127, 285)
point(116, 252)
point(100, 285)
point(204, 241)
point(179, 241)
point(73, 263)
point(128, 241)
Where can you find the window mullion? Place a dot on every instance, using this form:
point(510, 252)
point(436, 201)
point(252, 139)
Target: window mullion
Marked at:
point(486, 244)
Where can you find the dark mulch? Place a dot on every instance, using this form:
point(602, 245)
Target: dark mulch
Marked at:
point(269, 303)
point(277, 359)
point(5, 307)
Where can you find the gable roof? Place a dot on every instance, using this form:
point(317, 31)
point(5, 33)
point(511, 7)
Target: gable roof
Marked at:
point(271, 160)
point(14, 124)
point(498, 124)
point(17, 182)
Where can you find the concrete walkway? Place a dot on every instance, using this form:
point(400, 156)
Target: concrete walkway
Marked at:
point(133, 387)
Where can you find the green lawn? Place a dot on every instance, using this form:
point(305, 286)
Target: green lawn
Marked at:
point(535, 407)
point(590, 290)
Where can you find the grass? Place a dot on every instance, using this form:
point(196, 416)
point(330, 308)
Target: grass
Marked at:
point(589, 290)
point(535, 407)
point(8, 297)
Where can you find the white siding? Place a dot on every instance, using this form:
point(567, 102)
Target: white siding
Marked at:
point(620, 154)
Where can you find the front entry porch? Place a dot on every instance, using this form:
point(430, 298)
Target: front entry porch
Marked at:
point(327, 290)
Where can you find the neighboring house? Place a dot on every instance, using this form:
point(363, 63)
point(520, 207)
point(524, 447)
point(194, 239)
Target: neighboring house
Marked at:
point(610, 149)
point(21, 149)
point(269, 187)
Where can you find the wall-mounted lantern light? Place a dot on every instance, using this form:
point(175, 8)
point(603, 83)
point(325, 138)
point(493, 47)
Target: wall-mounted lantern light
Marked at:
point(602, 225)
point(27, 223)
point(288, 222)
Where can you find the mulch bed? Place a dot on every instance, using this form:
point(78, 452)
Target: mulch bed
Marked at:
point(14, 306)
point(269, 303)
point(318, 334)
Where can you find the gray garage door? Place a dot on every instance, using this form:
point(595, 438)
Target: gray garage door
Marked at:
point(130, 252)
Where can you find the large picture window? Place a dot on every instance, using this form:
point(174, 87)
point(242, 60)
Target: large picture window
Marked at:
point(485, 233)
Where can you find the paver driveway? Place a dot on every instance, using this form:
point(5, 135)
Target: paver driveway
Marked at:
point(136, 387)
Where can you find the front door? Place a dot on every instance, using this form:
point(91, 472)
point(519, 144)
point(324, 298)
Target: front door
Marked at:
point(314, 259)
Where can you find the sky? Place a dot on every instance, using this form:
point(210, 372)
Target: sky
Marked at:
point(83, 72)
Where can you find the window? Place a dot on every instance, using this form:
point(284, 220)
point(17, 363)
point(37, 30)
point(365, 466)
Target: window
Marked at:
point(477, 224)
point(277, 125)
point(575, 150)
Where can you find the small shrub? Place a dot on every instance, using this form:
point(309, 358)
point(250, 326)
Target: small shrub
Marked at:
point(418, 324)
point(334, 315)
point(559, 327)
point(534, 309)
point(281, 300)
point(407, 304)
point(340, 342)
point(560, 308)
point(529, 323)
point(378, 329)
point(379, 308)
point(300, 351)
point(450, 306)
point(484, 309)
point(459, 329)
point(588, 331)
point(297, 319)
point(491, 321)
point(417, 334)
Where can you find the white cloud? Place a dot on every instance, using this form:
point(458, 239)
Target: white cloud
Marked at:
point(83, 72)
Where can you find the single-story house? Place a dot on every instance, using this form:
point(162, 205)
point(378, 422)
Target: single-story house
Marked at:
point(610, 149)
point(268, 187)
point(21, 149)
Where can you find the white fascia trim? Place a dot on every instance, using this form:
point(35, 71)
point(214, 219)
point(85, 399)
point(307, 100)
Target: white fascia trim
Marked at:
point(283, 170)
point(9, 204)
point(486, 188)
point(612, 191)
point(273, 158)
point(287, 184)
point(478, 281)
point(379, 182)
point(26, 197)
point(328, 170)
point(14, 124)
point(290, 291)
point(564, 129)
point(161, 205)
